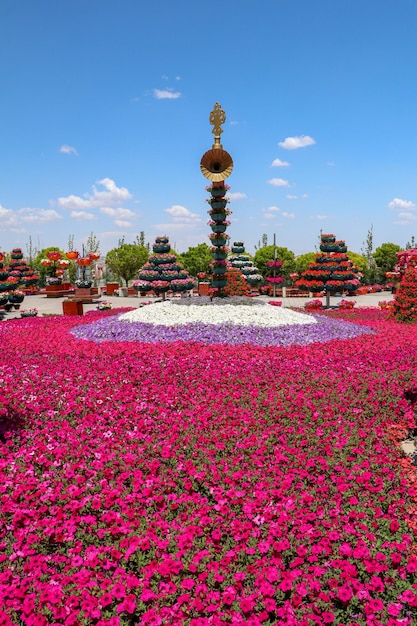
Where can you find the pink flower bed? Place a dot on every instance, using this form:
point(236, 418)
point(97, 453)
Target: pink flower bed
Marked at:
point(185, 484)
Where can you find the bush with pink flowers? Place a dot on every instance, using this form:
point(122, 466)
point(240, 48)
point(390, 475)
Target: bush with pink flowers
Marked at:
point(175, 483)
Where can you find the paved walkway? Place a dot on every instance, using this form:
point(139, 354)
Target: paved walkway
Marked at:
point(53, 306)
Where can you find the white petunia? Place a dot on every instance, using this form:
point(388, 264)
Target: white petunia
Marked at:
point(171, 314)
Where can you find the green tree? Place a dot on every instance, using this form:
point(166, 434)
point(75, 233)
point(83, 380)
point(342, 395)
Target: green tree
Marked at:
point(92, 243)
point(126, 260)
point(32, 252)
point(282, 254)
point(196, 259)
point(264, 243)
point(358, 260)
point(411, 244)
point(302, 262)
point(370, 273)
point(40, 269)
point(386, 258)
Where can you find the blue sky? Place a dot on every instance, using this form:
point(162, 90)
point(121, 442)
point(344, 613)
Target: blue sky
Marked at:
point(104, 117)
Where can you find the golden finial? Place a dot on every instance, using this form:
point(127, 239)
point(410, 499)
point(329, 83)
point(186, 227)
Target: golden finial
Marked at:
point(217, 118)
point(216, 164)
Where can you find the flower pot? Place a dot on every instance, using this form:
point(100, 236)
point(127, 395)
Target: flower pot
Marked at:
point(218, 216)
point(16, 306)
point(219, 283)
point(15, 299)
point(219, 256)
point(72, 308)
point(161, 248)
point(111, 288)
point(218, 228)
point(219, 270)
point(219, 241)
point(218, 204)
point(203, 289)
point(218, 192)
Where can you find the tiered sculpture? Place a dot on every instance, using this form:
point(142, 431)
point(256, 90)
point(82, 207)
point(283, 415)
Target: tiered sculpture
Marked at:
point(331, 272)
point(240, 260)
point(162, 271)
point(216, 165)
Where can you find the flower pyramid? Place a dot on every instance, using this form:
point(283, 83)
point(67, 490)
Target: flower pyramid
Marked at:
point(162, 271)
point(405, 301)
point(241, 261)
point(332, 271)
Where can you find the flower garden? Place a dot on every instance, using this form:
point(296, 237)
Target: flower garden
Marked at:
point(210, 472)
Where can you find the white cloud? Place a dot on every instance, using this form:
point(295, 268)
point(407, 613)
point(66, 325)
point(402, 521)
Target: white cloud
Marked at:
point(400, 205)
point(406, 218)
point(118, 213)
point(16, 220)
point(278, 182)
point(289, 216)
point(181, 215)
point(270, 212)
point(291, 197)
point(319, 217)
point(166, 94)
point(293, 143)
point(236, 196)
point(279, 163)
point(112, 195)
point(65, 149)
point(123, 223)
point(82, 215)
point(38, 215)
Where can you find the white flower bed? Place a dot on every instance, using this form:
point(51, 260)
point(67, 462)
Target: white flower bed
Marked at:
point(171, 314)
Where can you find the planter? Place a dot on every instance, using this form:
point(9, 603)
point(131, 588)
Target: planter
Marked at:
point(218, 228)
point(218, 192)
point(161, 248)
point(218, 204)
point(15, 299)
point(218, 284)
point(219, 256)
point(111, 288)
point(203, 289)
point(181, 287)
point(16, 306)
point(72, 308)
point(219, 270)
point(219, 241)
point(80, 292)
point(53, 288)
point(216, 217)
point(3, 301)
point(23, 314)
point(237, 249)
